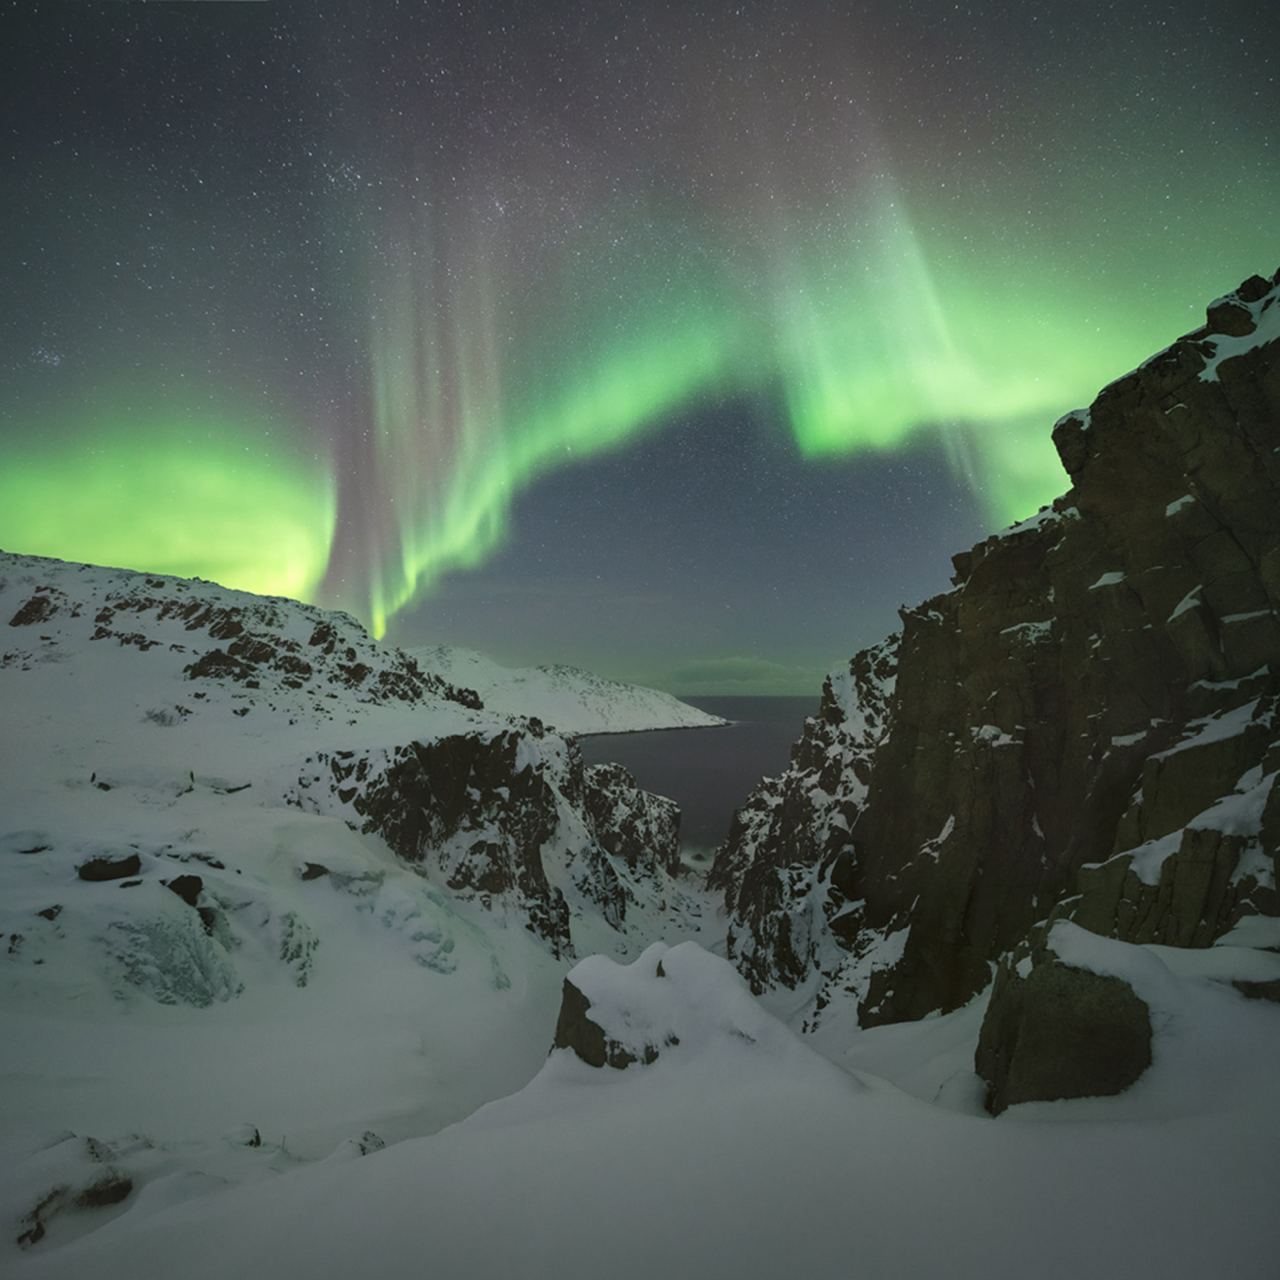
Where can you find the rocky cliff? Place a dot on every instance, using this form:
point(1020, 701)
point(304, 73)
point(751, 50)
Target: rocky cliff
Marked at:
point(1084, 727)
point(511, 819)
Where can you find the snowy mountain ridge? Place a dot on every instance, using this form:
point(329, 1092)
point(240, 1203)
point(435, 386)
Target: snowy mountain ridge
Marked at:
point(566, 698)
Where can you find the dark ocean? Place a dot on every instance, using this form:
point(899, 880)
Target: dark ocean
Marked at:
point(709, 772)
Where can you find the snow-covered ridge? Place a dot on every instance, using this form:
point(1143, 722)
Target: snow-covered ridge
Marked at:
point(294, 657)
point(568, 699)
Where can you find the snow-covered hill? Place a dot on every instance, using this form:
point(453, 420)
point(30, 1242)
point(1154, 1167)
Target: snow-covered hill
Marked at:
point(567, 699)
point(260, 873)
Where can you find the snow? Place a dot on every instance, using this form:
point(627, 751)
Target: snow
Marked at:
point(1189, 601)
point(567, 699)
point(1082, 417)
point(1215, 728)
point(1149, 858)
point(1179, 504)
point(1266, 314)
point(1032, 632)
point(1045, 516)
point(933, 848)
point(756, 1157)
point(365, 999)
point(1112, 579)
point(1237, 814)
point(992, 736)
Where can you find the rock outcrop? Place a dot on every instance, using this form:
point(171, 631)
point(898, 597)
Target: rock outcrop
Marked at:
point(578, 1032)
point(1086, 725)
point(511, 819)
point(673, 1001)
point(1055, 1029)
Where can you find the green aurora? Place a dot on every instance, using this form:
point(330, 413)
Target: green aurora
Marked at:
point(211, 498)
point(331, 304)
point(870, 338)
point(865, 334)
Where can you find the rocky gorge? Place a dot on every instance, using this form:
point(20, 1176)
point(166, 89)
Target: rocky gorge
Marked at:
point(1084, 728)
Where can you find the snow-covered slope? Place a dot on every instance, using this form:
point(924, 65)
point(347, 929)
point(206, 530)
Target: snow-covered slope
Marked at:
point(567, 699)
point(258, 872)
point(740, 1152)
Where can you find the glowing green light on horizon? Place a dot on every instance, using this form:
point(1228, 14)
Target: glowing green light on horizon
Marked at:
point(196, 499)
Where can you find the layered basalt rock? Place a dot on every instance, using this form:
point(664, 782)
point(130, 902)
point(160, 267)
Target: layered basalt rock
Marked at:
point(1086, 725)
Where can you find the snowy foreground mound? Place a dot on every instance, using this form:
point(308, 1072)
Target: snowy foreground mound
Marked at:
point(738, 1151)
point(567, 699)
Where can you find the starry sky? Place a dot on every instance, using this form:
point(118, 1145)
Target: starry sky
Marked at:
point(680, 341)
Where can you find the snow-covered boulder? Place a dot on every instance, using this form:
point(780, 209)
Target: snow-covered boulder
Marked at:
point(1064, 1021)
point(669, 998)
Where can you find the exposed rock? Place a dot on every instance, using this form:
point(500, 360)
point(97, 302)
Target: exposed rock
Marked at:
point(188, 888)
point(1071, 1014)
point(73, 1174)
point(252, 642)
point(1088, 721)
point(110, 868)
point(576, 1030)
point(40, 608)
point(668, 1001)
point(785, 867)
point(1259, 990)
point(1060, 1032)
point(511, 819)
point(640, 828)
point(110, 1188)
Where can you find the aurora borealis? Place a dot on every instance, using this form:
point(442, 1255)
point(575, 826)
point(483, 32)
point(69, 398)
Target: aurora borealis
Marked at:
point(667, 339)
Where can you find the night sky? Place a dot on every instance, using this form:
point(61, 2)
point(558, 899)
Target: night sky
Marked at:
point(684, 342)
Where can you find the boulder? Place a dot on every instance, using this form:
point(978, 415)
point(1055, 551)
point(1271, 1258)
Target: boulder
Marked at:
point(1055, 1031)
point(187, 887)
point(576, 1030)
point(108, 867)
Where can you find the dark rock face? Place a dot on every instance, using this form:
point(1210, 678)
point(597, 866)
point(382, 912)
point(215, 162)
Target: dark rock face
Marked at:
point(637, 826)
point(510, 819)
point(467, 805)
point(1060, 1032)
point(40, 608)
point(109, 868)
point(784, 869)
point(188, 888)
point(1087, 723)
point(575, 1030)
